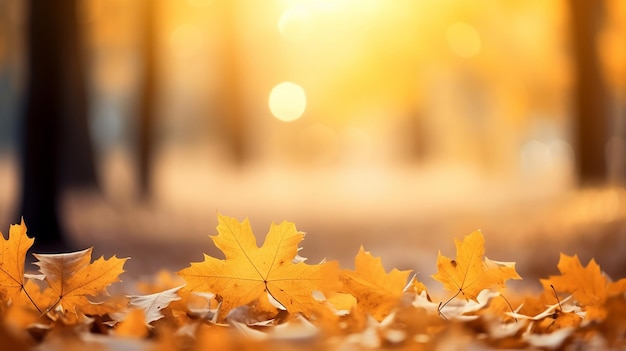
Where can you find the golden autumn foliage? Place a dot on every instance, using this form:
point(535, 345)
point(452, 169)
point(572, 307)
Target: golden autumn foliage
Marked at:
point(267, 297)
point(12, 257)
point(590, 287)
point(376, 292)
point(469, 274)
point(250, 271)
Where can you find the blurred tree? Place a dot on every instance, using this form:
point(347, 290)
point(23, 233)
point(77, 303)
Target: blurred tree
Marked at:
point(590, 93)
point(147, 97)
point(56, 145)
point(230, 106)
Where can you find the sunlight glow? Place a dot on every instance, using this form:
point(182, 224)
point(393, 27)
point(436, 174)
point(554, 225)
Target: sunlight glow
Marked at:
point(463, 39)
point(200, 3)
point(287, 101)
point(186, 41)
point(295, 24)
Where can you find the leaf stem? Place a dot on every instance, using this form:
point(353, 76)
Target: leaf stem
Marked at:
point(557, 297)
point(510, 307)
point(31, 299)
point(53, 305)
point(267, 289)
point(441, 306)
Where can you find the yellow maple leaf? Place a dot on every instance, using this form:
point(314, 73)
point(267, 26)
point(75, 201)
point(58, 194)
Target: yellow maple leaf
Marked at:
point(12, 256)
point(589, 286)
point(469, 274)
point(376, 291)
point(73, 278)
point(250, 271)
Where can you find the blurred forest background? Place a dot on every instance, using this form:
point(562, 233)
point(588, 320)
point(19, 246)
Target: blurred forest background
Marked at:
point(397, 124)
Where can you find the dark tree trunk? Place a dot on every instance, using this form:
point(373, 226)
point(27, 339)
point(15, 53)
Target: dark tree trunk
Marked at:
point(230, 103)
point(56, 146)
point(590, 93)
point(147, 99)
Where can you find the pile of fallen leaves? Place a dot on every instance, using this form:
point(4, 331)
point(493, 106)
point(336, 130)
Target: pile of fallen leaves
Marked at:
point(269, 297)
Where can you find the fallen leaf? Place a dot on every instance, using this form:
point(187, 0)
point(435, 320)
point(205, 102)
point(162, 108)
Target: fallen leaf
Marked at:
point(376, 291)
point(560, 315)
point(250, 271)
point(12, 257)
point(35, 298)
point(469, 274)
point(465, 310)
point(72, 278)
point(589, 285)
point(152, 304)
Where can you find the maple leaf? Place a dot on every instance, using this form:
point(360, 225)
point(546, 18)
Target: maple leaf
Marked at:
point(12, 256)
point(376, 292)
point(72, 277)
point(469, 274)
point(250, 271)
point(589, 286)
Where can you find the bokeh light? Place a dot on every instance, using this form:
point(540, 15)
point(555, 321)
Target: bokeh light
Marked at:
point(431, 111)
point(287, 101)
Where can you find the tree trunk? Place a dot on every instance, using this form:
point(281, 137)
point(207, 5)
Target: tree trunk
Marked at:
point(230, 103)
point(590, 93)
point(147, 99)
point(56, 146)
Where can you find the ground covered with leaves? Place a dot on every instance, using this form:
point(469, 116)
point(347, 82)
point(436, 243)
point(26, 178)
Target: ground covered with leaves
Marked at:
point(270, 297)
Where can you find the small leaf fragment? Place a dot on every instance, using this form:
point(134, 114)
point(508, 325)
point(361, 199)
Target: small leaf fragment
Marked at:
point(152, 304)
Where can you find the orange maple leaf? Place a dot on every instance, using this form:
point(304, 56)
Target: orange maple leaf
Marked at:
point(469, 274)
point(376, 292)
point(250, 271)
point(72, 277)
point(589, 285)
point(12, 256)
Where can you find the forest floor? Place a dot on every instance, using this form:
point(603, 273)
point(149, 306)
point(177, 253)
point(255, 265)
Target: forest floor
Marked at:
point(405, 215)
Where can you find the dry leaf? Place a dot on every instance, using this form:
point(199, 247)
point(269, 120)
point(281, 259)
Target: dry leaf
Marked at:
point(377, 292)
point(589, 286)
point(250, 271)
point(12, 256)
point(469, 274)
point(152, 304)
point(256, 284)
point(72, 278)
